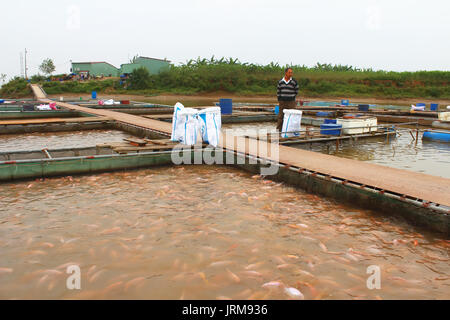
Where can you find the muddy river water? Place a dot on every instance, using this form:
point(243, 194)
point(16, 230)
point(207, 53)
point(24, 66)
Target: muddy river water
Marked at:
point(205, 232)
point(59, 140)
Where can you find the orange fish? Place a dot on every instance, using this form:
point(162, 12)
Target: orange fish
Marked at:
point(233, 277)
point(135, 281)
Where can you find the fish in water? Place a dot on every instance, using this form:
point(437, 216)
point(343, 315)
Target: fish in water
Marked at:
point(47, 244)
point(111, 231)
point(323, 247)
point(65, 265)
point(203, 277)
point(95, 276)
point(273, 284)
point(252, 273)
point(254, 265)
point(135, 282)
point(221, 263)
point(42, 279)
point(294, 293)
point(91, 270)
point(6, 270)
point(113, 286)
point(233, 277)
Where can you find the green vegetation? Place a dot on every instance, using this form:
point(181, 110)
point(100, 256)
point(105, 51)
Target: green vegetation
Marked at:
point(15, 88)
point(2, 78)
point(47, 66)
point(58, 87)
point(230, 75)
point(139, 79)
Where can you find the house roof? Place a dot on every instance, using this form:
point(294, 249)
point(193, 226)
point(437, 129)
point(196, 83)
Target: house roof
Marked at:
point(155, 59)
point(94, 63)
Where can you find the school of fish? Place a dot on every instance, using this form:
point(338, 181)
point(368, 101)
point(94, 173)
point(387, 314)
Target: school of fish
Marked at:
point(205, 232)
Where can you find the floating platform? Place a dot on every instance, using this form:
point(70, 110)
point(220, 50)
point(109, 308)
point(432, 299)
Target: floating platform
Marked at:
point(7, 115)
point(236, 117)
point(62, 162)
point(54, 125)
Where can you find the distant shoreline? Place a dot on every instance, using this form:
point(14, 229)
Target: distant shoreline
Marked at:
point(215, 96)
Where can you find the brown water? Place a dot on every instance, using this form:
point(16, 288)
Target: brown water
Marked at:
point(202, 232)
point(59, 140)
point(400, 152)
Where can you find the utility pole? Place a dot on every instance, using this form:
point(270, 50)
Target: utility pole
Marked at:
point(22, 73)
point(26, 77)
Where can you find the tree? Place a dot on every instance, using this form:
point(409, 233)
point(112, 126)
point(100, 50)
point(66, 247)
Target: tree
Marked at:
point(139, 79)
point(3, 77)
point(134, 59)
point(47, 66)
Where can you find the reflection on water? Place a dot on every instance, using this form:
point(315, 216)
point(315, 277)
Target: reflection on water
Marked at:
point(58, 140)
point(203, 232)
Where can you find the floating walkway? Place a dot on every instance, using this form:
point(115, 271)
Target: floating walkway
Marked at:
point(402, 187)
point(54, 120)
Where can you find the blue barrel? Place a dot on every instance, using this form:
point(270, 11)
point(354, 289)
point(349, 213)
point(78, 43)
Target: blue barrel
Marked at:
point(330, 121)
point(434, 107)
point(324, 114)
point(1, 101)
point(345, 102)
point(226, 106)
point(94, 95)
point(437, 135)
point(363, 107)
point(336, 132)
point(277, 109)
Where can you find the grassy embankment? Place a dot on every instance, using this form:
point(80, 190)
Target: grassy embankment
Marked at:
point(231, 76)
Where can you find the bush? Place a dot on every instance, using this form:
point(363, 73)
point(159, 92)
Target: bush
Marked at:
point(16, 88)
point(140, 79)
point(38, 78)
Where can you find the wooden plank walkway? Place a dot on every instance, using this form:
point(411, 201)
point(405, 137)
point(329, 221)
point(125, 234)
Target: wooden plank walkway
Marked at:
point(413, 184)
point(54, 120)
point(417, 185)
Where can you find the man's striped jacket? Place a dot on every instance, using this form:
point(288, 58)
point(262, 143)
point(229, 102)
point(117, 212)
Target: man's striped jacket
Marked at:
point(287, 91)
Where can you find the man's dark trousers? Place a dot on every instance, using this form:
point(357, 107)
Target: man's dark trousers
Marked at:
point(283, 105)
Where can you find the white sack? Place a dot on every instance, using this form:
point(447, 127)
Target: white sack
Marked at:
point(292, 123)
point(210, 125)
point(187, 126)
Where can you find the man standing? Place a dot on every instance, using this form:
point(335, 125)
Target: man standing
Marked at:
point(287, 92)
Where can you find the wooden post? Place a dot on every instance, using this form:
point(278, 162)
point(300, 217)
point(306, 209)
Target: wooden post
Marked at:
point(417, 132)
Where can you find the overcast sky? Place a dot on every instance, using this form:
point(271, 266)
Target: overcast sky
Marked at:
point(383, 34)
